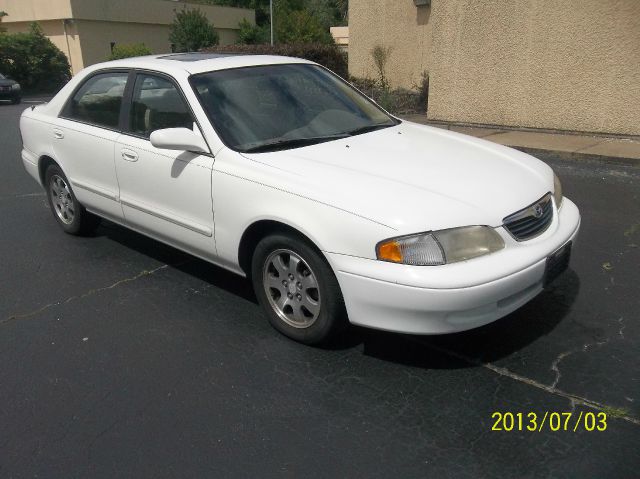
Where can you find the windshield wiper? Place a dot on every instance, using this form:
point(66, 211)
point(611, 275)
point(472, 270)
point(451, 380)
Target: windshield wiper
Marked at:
point(283, 144)
point(368, 128)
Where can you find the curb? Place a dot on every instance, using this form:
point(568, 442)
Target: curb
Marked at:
point(584, 157)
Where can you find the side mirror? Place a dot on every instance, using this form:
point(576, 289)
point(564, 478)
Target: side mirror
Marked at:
point(179, 139)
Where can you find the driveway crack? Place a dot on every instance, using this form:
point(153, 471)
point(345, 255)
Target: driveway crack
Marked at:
point(551, 389)
point(584, 348)
point(91, 292)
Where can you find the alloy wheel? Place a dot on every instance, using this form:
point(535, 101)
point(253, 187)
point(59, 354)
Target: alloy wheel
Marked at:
point(292, 288)
point(61, 199)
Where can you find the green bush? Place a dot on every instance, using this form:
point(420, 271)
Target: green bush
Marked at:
point(128, 50)
point(329, 56)
point(191, 31)
point(250, 34)
point(423, 88)
point(397, 101)
point(33, 61)
point(299, 26)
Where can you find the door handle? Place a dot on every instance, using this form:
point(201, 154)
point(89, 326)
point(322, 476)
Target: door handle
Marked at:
point(129, 155)
point(58, 134)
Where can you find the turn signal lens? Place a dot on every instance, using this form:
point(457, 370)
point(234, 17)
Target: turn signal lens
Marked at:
point(419, 250)
point(440, 247)
point(390, 251)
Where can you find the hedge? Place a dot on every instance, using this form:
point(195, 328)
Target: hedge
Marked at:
point(33, 61)
point(129, 50)
point(329, 56)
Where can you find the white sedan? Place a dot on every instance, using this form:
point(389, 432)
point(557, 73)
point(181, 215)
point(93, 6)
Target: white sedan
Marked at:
point(280, 171)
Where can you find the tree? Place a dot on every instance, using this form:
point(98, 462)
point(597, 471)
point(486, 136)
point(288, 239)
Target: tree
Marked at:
point(299, 26)
point(2, 14)
point(250, 34)
point(325, 14)
point(33, 61)
point(191, 31)
point(125, 50)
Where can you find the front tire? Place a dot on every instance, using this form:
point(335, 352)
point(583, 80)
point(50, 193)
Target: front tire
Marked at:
point(298, 290)
point(68, 212)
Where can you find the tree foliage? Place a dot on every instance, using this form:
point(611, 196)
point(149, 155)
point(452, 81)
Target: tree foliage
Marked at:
point(128, 50)
point(295, 21)
point(2, 14)
point(299, 26)
point(191, 31)
point(33, 61)
point(250, 34)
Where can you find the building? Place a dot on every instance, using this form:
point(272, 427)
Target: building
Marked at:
point(341, 37)
point(562, 65)
point(85, 30)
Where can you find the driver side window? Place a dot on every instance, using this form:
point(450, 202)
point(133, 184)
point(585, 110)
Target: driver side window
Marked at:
point(157, 104)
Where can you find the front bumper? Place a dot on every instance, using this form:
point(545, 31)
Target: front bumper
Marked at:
point(455, 297)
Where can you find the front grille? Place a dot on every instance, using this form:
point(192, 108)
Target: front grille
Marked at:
point(531, 221)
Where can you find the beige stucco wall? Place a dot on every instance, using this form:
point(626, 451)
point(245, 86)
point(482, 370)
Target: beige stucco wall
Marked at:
point(97, 23)
point(398, 24)
point(30, 10)
point(159, 12)
point(568, 65)
point(97, 37)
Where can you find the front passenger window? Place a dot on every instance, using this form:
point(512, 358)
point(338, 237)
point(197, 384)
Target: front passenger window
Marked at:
point(157, 104)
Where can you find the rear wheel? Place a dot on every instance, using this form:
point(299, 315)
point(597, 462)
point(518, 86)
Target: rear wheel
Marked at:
point(70, 215)
point(298, 289)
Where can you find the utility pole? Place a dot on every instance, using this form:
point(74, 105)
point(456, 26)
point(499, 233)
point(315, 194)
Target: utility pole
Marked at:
point(271, 19)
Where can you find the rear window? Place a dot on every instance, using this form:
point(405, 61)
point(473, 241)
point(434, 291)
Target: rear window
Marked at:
point(99, 100)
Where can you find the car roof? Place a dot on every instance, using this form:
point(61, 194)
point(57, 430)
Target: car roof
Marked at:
point(195, 62)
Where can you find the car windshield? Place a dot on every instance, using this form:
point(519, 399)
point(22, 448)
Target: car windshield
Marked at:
point(276, 107)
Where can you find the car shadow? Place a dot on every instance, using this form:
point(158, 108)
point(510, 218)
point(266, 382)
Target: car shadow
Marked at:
point(204, 271)
point(488, 343)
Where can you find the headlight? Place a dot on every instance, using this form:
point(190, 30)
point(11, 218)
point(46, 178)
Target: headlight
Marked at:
point(15, 86)
point(557, 190)
point(440, 247)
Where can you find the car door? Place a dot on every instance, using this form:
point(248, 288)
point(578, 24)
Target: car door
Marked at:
point(84, 137)
point(164, 193)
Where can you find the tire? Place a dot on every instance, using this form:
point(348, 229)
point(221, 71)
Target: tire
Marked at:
point(72, 217)
point(16, 100)
point(310, 309)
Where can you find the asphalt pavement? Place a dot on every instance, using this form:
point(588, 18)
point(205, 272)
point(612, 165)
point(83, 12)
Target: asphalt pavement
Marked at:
point(122, 357)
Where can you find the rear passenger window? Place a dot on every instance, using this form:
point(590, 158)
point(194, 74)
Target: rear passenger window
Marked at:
point(99, 99)
point(157, 104)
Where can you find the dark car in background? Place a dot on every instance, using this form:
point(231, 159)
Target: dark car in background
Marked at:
point(10, 90)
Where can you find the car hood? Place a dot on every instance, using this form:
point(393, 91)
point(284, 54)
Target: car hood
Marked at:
point(414, 178)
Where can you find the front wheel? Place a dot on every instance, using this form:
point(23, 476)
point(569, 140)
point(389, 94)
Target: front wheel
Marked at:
point(298, 290)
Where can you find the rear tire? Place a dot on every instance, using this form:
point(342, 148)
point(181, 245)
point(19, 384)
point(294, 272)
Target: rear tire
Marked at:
point(298, 290)
point(72, 217)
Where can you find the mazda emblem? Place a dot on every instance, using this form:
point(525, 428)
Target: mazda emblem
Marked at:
point(537, 210)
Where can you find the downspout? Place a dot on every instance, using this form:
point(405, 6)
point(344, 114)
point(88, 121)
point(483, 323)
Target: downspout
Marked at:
point(66, 37)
